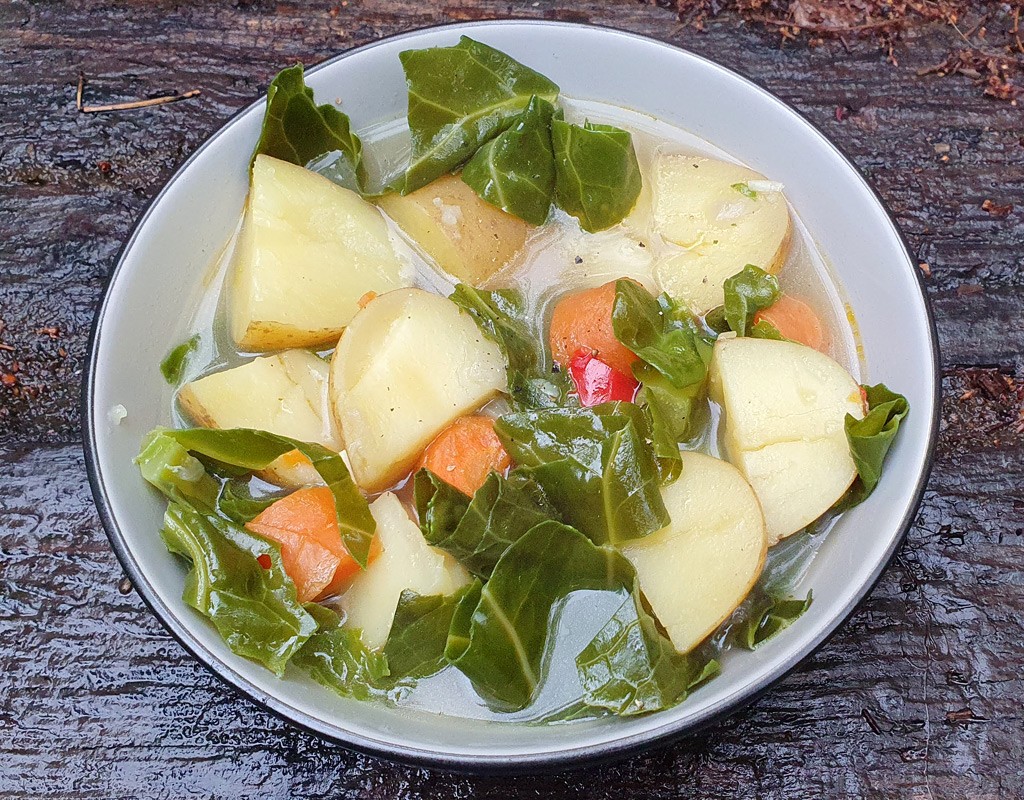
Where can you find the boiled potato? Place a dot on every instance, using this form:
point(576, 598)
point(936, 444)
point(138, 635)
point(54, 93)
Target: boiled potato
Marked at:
point(406, 562)
point(284, 394)
point(784, 409)
point(409, 364)
point(699, 206)
point(698, 569)
point(468, 237)
point(307, 251)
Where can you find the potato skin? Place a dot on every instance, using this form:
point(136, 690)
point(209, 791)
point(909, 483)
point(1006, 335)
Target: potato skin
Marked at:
point(466, 236)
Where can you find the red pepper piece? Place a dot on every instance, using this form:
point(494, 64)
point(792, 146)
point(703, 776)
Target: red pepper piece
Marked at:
point(264, 561)
point(596, 382)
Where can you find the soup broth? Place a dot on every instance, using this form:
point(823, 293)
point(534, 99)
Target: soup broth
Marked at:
point(560, 258)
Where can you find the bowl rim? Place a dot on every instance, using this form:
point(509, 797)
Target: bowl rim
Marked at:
point(533, 763)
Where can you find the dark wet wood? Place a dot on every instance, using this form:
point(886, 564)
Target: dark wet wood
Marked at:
point(918, 696)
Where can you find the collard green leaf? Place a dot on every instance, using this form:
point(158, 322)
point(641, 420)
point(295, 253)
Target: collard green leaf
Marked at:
point(462, 621)
point(459, 98)
point(504, 319)
point(439, 505)
point(509, 629)
point(419, 633)
point(593, 464)
point(173, 365)
point(631, 668)
point(516, 170)
point(254, 608)
point(768, 615)
point(169, 470)
point(660, 334)
point(674, 353)
point(674, 416)
point(478, 532)
point(238, 503)
point(747, 292)
point(297, 130)
point(597, 177)
point(763, 329)
point(870, 438)
point(336, 657)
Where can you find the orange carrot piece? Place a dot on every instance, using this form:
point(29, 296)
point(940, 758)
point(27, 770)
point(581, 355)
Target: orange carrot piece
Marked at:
point(465, 453)
point(305, 524)
point(795, 320)
point(583, 321)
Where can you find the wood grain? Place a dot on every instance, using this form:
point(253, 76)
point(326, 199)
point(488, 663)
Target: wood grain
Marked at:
point(918, 696)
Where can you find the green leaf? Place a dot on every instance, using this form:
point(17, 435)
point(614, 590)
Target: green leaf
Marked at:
point(503, 317)
point(173, 365)
point(462, 621)
point(597, 177)
point(763, 329)
point(593, 464)
point(870, 438)
point(516, 170)
point(660, 334)
point(254, 609)
point(630, 668)
point(459, 98)
point(173, 471)
point(297, 130)
point(767, 616)
point(439, 505)
point(674, 416)
point(336, 657)
point(509, 629)
point(674, 353)
point(419, 633)
point(745, 190)
point(238, 503)
point(477, 532)
point(747, 292)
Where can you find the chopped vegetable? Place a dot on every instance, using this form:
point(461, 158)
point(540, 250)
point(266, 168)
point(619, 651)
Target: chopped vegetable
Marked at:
point(174, 364)
point(748, 291)
point(516, 170)
point(597, 177)
point(459, 98)
point(305, 525)
point(793, 319)
point(594, 465)
point(871, 437)
point(478, 531)
point(297, 130)
point(598, 383)
point(583, 321)
point(465, 453)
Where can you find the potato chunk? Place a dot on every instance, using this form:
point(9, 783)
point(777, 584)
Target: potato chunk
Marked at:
point(724, 216)
point(406, 562)
point(409, 364)
point(468, 237)
point(784, 409)
point(698, 569)
point(284, 394)
point(307, 251)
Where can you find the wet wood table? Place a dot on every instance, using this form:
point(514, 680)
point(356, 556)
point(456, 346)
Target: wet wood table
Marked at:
point(919, 695)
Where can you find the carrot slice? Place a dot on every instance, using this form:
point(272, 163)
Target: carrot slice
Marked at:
point(305, 524)
point(583, 321)
point(795, 320)
point(465, 453)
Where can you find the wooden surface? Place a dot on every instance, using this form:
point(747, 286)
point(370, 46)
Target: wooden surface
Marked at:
point(920, 695)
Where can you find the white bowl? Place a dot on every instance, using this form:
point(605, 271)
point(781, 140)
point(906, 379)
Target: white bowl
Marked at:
point(158, 279)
